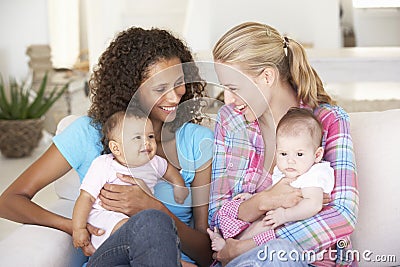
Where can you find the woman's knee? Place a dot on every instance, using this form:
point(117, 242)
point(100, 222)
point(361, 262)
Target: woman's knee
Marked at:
point(153, 220)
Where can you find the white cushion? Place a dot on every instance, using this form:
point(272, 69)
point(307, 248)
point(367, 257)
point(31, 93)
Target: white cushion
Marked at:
point(65, 122)
point(67, 187)
point(33, 246)
point(38, 246)
point(376, 138)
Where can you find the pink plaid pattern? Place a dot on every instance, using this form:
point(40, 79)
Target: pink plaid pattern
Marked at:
point(264, 237)
point(229, 224)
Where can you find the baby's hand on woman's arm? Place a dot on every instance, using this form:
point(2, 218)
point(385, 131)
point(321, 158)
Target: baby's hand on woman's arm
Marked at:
point(81, 237)
point(242, 196)
point(180, 193)
point(173, 176)
point(275, 218)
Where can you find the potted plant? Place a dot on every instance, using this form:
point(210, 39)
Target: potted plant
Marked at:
point(22, 114)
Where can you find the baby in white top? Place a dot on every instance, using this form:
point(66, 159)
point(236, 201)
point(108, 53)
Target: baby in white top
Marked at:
point(298, 156)
point(129, 136)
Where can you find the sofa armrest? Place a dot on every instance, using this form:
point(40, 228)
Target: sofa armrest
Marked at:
point(376, 143)
point(33, 245)
point(38, 246)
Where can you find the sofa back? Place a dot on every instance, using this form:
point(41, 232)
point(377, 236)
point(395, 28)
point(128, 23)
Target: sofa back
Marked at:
point(376, 139)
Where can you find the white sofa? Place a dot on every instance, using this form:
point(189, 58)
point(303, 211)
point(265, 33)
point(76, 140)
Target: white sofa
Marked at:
point(377, 236)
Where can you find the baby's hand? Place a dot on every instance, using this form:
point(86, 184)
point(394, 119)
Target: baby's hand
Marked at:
point(275, 218)
point(81, 238)
point(242, 196)
point(180, 193)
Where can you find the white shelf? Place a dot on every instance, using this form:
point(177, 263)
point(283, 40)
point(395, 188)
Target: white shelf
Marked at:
point(359, 64)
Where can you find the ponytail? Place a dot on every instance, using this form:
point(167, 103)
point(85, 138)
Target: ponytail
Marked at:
point(256, 46)
point(304, 77)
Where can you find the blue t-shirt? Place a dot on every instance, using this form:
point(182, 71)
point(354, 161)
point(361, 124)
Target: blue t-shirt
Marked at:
point(80, 144)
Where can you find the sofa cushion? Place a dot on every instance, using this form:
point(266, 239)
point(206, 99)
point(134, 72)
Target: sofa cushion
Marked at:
point(377, 144)
point(37, 246)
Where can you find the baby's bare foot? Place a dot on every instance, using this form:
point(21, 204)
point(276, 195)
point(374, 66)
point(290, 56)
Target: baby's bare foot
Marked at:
point(217, 241)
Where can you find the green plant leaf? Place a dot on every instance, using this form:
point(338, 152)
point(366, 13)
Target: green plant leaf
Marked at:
point(4, 105)
point(14, 97)
point(24, 102)
point(37, 103)
point(53, 97)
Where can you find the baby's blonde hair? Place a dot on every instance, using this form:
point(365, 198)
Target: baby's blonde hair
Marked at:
point(255, 46)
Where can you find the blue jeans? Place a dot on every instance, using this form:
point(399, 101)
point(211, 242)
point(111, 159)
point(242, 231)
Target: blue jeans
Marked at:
point(277, 252)
point(148, 238)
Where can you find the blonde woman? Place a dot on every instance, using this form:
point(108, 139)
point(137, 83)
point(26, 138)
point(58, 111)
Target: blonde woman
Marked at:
point(265, 74)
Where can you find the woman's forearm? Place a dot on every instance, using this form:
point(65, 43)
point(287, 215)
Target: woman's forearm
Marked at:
point(21, 209)
point(16, 203)
point(251, 209)
point(279, 195)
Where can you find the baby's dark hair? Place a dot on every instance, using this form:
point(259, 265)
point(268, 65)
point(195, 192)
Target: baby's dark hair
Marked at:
point(113, 125)
point(125, 65)
point(298, 120)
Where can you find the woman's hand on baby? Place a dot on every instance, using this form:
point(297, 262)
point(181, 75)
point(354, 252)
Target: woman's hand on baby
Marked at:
point(283, 194)
point(128, 199)
point(180, 193)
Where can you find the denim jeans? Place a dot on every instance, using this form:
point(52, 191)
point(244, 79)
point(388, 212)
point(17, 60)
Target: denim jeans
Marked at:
point(148, 238)
point(277, 252)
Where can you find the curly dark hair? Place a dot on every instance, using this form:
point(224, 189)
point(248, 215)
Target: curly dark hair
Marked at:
point(125, 65)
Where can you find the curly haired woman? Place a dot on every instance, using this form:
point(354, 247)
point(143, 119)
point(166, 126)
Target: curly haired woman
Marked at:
point(151, 236)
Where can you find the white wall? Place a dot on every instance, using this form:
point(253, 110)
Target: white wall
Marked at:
point(111, 16)
point(22, 23)
point(377, 26)
point(200, 22)
point(312, 22)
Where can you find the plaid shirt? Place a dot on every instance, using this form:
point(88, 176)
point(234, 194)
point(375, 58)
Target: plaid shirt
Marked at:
point(238, 167)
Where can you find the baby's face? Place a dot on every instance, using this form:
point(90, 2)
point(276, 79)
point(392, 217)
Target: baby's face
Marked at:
point(138, 141)
point(295, 154)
